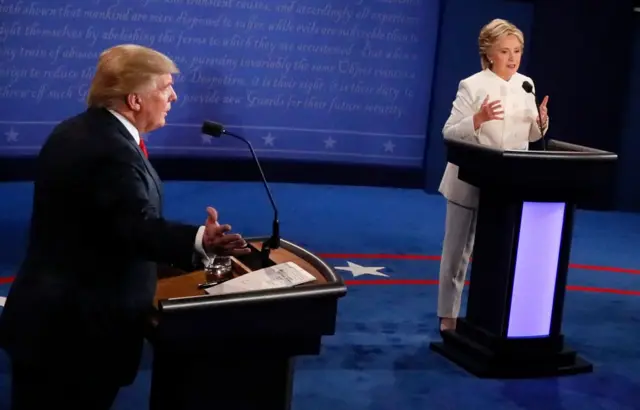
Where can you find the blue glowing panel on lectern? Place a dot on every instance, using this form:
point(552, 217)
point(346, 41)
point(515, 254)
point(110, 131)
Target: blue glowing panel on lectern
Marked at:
point(536, 270)
point(345, 81)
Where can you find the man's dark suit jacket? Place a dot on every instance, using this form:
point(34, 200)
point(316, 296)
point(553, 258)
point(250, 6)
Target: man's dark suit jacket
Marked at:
point(83, 292)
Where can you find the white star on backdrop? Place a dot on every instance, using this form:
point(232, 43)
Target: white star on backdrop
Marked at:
point(358, 270)
point(329, 143)
point(206, 139)
point(12, 135)
point(389, 146)
point(268, 140)
point(3, 300)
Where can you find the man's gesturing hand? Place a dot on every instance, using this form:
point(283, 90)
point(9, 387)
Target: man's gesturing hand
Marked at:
point(216, 239)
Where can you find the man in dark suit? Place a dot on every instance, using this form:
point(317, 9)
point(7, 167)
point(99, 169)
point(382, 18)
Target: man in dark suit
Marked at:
point(75, 316)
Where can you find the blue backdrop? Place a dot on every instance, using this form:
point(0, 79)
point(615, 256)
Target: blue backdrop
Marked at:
point(345, 81)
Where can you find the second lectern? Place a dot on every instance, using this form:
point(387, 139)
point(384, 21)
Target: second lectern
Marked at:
point(513, 323)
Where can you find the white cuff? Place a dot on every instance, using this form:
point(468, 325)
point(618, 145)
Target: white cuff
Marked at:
point(199, 248)
point(198, 243)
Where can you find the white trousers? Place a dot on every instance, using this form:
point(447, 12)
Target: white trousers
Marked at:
point(459, 236)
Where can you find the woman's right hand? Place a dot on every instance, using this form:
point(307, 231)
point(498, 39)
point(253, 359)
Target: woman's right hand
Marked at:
point(489, 111)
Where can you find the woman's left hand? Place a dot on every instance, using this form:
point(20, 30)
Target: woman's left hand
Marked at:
point(544, 116)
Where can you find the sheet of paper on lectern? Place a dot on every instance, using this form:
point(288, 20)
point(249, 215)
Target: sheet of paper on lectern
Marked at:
point(283, 275)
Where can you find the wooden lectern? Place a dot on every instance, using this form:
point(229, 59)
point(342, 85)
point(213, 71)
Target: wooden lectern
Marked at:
point(236, 351)
point(513, 325)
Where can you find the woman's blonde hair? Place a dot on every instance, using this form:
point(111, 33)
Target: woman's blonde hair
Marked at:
point(490, 34)
point(126, 69)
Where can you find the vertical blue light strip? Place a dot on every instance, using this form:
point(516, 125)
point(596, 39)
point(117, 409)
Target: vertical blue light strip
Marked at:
point(536, 269)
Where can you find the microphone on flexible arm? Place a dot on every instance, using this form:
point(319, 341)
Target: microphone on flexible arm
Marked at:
point(217, 130)
point(526, 85)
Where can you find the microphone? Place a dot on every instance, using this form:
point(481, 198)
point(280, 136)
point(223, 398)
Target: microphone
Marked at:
point(528, 87)
point(217, 130)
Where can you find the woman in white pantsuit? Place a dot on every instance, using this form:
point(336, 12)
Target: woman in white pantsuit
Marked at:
point(490, 108)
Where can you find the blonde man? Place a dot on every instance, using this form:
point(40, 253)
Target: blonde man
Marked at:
point(491, 108)
point(74, 319)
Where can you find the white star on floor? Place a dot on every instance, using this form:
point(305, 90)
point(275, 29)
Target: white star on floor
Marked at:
point(389, 146)
point(12, 135)
point(358, 270)
point(329, 143)
point(206, 139)
point(268, 140)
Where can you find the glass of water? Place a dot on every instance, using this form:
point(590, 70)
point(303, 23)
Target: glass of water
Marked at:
point(218, 269)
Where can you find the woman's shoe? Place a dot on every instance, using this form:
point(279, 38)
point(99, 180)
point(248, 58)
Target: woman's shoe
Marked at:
point(447, 323)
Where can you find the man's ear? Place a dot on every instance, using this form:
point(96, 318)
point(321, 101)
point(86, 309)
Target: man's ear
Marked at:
point(134, 102)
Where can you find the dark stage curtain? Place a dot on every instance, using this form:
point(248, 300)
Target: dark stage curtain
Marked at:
point(580, 55)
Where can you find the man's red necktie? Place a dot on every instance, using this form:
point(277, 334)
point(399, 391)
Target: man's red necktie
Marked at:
point(144, 148)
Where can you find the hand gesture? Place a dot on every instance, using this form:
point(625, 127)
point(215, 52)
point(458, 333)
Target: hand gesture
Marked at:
point(212, 217)
point(544, 116)
point(490, 111)
point(216, 239)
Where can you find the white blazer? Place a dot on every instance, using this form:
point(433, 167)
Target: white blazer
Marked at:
point(515, 131)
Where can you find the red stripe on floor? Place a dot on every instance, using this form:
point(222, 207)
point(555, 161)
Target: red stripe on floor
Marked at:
point(360, 282)
point(605, 268)
point(437, 258)
point(378, 256)
point(392, 282)
point(604, 290)
point(364, 282)
point(389, 282)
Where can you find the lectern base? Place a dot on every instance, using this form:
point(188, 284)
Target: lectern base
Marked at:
point(221, 381)
point(485, 363)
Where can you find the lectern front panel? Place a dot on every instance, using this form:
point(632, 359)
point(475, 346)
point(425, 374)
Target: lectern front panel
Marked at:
point(536, 269)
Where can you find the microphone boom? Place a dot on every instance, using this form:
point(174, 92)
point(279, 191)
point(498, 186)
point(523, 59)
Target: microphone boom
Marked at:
point(528, 87)
point(215, 129)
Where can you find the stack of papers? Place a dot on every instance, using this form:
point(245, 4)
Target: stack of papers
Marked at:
point(284, 275)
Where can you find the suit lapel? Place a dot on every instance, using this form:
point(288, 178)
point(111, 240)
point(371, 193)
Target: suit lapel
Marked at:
point(156, 179)
point(147, 165)
point(122, 130)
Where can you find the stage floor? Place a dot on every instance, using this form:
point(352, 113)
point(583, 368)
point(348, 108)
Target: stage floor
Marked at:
point(386, 244)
